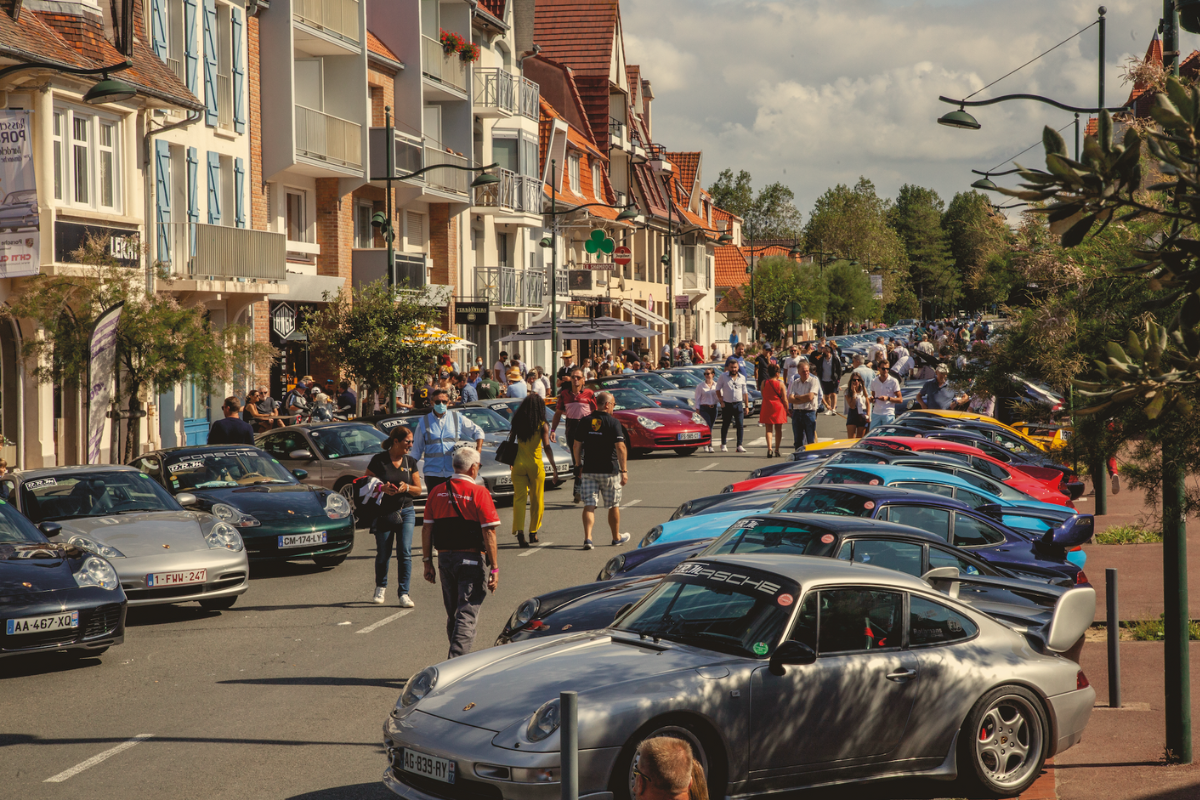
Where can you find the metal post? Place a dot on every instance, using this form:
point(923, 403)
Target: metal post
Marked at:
point(568, 710)
point(1103, 26)
point(1076, 136)
point(1177, 670)
point(389, 233)
point(553, 262)
point(753, 310)
point(1114, 638)
point(1100, 486)
point(1170, 37)
point(670, 283)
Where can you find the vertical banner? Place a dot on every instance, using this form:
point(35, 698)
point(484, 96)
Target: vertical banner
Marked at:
point(102, 377)
point(19, 218)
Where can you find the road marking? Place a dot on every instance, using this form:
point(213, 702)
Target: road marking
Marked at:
point(1082, 500)
point(710, 466)
point(94, 760)
point(534, 549)
point(631, 503)
point(385, 621)
point(759, 442)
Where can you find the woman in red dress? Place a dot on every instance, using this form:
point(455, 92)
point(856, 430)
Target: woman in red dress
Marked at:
point(774, 409)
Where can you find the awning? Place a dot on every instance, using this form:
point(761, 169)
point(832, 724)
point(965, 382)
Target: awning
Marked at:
point(432, 335)
point(310, 288)
point(644, 313)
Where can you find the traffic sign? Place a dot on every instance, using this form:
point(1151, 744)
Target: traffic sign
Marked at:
point(622, 256)
point(793, 314)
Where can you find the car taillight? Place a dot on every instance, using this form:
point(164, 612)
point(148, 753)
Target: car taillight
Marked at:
point(1057, 407)
point(1081, 577)
point(1081, 681)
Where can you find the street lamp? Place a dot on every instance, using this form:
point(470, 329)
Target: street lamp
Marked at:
point(106, 90)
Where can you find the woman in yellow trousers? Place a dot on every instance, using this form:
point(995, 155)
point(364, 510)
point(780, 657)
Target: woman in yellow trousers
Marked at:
point(528, 474)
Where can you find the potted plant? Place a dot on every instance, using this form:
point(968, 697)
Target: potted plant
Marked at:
point(451, 42)
point(469, 52)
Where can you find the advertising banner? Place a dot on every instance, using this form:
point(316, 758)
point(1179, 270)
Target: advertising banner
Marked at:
point(19, 220)
point(877, 286)
point(102, 378)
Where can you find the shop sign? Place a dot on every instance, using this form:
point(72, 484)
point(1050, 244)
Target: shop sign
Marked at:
point(471, 313)
point(124, 245)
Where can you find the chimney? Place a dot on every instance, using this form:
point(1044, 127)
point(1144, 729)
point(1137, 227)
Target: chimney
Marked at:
point(647, 97)
point(523, 14)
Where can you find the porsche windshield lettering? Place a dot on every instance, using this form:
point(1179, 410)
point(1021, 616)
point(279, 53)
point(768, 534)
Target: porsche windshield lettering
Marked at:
point(732, 578)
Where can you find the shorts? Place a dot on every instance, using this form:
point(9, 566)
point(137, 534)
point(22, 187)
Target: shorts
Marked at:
point(600, 491)
point(829, 387)
point(856, 419)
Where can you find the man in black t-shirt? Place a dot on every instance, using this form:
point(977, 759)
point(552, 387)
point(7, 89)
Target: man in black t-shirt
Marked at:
point(600, 454)
point(231, 430)
point(347, 400)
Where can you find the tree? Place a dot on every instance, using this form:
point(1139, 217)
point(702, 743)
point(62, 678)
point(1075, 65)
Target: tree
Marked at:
point(378, 336)
point(770, 215)
point(778, 281)
point(917, 217)
point(735, 195)
point(851, 223)
point(977, 235)
point(158, 343)
point(851, 297)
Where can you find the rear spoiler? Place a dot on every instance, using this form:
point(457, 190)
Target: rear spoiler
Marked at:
point(1068, 528)
point(997, 511)
point(1053, 477)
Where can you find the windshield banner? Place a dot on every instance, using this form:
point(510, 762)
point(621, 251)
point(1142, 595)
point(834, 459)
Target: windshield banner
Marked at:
point(19, 219)
point(102, 377)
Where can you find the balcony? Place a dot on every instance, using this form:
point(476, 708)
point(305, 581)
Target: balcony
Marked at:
point(176, 66)
point(337, 18)
point(443, 68)
point(370, 265)
point(193, 251)
point(516, 194)
point(616, 132)
point(224, 102)
point(454, 181)
point(408, 154)
point(324, 137)
point(529, 107)
point(495, 92)
point(509, 287)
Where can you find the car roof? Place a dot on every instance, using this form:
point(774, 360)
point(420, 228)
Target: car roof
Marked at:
point(922, 443)
point(846, 525)
point(888, 493)
point(308, 426)
point(41, 472)
point(199, 448)
point(811, 571)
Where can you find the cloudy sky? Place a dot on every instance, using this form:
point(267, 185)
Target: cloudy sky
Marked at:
point(818, 92)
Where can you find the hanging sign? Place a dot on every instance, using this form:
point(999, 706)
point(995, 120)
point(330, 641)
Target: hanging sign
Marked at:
point(622, 255)
point(19, 218)
point(470, 313)
point(102, 376)
point(283, 320)
point(609, 267)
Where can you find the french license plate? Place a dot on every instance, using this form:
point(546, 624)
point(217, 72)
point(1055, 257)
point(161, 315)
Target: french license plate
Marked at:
point(440, 769)
point(504, 480)
point(180, 578)
point(54, 622)
point(686, 437)
point(303, 539)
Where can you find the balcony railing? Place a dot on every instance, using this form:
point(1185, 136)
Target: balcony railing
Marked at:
point(177, 67)
point(194, 251)
point(225, 101)
point(445, 68)
point(337, 17)
point(616, 129)
point(328, 138)
point(509, 287)
point(495, 88)
point(529, 106)
point(456, 181)
point(562, 288)
point(516, 193)
point(408, 154)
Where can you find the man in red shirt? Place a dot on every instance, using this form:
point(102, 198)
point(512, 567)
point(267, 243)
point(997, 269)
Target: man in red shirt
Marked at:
point(576, 402)
point(461, 521)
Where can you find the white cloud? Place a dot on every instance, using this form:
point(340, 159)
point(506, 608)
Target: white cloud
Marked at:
point(818, 92)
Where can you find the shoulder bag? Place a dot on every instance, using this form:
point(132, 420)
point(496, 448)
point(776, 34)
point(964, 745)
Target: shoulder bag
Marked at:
point(506, 451)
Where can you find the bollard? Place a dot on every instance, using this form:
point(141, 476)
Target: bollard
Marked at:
point(568, 711)
point(1114, 638)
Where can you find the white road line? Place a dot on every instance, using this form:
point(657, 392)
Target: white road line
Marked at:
point(631, 503)
point(710, 466)
point(759, 442)
point(533, 549)
point(96, 759)
point(1081, 500)
point(385, 621)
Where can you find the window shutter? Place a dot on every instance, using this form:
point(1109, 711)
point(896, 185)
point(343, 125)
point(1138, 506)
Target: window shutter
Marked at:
point(193, 163)
point(162, 189)
point(214, 188)
point(191, 56)
point(239, 185)
point(158, 28)
point(239, 72)
point(210, 63)
point(416, 230)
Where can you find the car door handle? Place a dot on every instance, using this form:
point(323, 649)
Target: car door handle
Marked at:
point(902, 675)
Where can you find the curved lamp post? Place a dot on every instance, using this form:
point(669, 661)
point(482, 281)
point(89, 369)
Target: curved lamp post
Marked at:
point(106, 90)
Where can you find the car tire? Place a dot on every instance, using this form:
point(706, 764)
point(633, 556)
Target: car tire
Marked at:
point(1004, 741)
point(346, 490)
point(328, 562)
point(219, 603)
point(686, 451)
point(705, 746)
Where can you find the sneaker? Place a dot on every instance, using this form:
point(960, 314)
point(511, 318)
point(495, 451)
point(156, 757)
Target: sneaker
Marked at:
point(578, 499)
point(406, 602)
point(1115, 483)
point(741, 449)
point(724, 449)
point(622, 539)
point(588, 545)
point(380, 593)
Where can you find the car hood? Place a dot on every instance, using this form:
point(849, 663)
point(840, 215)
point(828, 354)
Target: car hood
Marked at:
point(533, 675)
point(42, 575)
point(141, 534)
point(267, 502)
point(703, 525)
point(667, 416)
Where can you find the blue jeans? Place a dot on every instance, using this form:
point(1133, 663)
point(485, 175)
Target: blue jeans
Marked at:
point(734, 412)
point(886, 418)
point(396, 528)
point(710, 416)
point(804, 428)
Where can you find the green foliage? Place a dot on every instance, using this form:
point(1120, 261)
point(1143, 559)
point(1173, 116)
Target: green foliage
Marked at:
point(735, 195)
point(779, 281)
point(851, 298)
point(770, 215)
point(1154, 630)
point(978, 240)
point(1127, 534)
point(917, 217)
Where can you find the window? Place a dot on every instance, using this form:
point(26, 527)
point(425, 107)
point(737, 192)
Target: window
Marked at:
point(839, 475)
point(972, 532)
point(80, 162)
point(364, 234)
point(573, 165)
point(973, 499)
point(108, 162)
point(805, 628)
point(944, 558)
point(501, 249)
point(596, 181)
point(900, 556)
point(931, 520)
point(87, 161)
point(824, 500)
point(297, 218)
point(59, 164)
point(933, 488)
point(750, 536)
point(414, 225)
point(859, 619)
point(931, 623)
point(988, 468)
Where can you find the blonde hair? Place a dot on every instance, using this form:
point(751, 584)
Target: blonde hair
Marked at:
point(667, 763)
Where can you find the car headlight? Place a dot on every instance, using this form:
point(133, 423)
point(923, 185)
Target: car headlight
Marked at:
point(337, 507)
point(613, 567)
point(92, 546)
point(649, 424)
point(233, 516)
point(544, 722)
point(699, 420)
point(525, 612)
point(728, 489)
point(224, 536)
point(653, 536)
point(419, 686)
point(97, 572)
point(756, 474)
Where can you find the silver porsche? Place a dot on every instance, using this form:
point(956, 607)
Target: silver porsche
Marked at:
point(162, 551)
point(780, 673)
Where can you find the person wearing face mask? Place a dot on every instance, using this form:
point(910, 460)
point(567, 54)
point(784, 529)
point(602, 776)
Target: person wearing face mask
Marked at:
point(437, 436)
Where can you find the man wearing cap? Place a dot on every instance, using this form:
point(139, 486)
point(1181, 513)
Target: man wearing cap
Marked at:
point(564, 372)
point(516, 384)
point(296, 401)
point(937, 393)
point(763, 363)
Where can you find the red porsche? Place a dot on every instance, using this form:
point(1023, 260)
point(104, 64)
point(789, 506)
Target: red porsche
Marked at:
point(650, 427)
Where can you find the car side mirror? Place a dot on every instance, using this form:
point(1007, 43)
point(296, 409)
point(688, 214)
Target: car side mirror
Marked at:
point(621, 611)
point(302, 455)
point(790, 652)
point(50, 528)
point(186, 499)
point(300, 474)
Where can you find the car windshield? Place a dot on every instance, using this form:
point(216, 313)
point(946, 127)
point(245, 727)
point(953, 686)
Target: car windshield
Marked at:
point(681, 380)
point(823, 500)
point(93, 494)
point(627, 399)
point(21, 196)
point(16, 529)
point(223, 469)
point(505, 410)
point(838, 475)
point(748, 536)
point(738, 610)
point(656, 381)
point(487, 419)
point(343, 441)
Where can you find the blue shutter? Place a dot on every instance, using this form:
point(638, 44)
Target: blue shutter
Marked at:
point(193, 211)
point(158, 28)
point(162, 188)
point(214, 188)
point(191, 53)
point(210, 62)
point(239, 72)
point(239, 181)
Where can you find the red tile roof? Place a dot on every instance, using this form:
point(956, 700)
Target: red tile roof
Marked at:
point(730, 304)
point(1141, 96)
point(581, 143)
point(380, 49)
point(729, 266)
point(494, 7)
point(580, 35)
point(687, 167)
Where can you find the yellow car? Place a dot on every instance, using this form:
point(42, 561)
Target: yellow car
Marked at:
point(1051, 435)
point(1032, 442)
point(832, 444)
